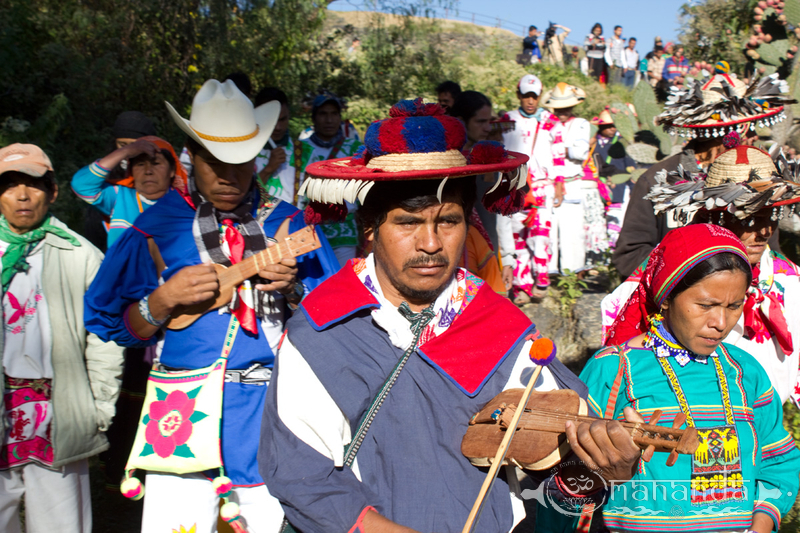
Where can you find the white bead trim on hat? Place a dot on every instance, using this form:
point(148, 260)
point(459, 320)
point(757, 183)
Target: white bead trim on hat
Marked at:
point(708, 132)
point(339, 191)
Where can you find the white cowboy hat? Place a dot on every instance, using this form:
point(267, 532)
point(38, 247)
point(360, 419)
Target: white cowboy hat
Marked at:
point(224, 122)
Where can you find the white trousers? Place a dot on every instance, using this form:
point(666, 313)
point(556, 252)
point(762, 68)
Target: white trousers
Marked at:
point(172, 501)
point(567, 232)
point(55, 500)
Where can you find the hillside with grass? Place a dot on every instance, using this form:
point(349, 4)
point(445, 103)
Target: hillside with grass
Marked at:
point(478, 57)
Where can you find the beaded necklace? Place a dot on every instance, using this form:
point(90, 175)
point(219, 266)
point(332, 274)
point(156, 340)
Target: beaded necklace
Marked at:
point(664, 344)
point(716, 466)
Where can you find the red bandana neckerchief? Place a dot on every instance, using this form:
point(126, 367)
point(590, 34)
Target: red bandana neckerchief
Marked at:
point(243, 310)
point(764, 316)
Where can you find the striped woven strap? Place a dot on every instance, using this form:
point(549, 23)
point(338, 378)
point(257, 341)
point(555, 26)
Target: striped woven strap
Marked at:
point(612, 397)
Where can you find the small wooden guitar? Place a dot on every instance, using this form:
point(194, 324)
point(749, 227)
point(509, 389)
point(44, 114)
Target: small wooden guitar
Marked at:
point(298, 243)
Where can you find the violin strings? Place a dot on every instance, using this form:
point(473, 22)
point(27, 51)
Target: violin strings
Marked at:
point(669, 435)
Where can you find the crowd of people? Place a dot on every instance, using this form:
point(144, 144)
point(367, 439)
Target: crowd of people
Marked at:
point(609, 59)
point(294, 334)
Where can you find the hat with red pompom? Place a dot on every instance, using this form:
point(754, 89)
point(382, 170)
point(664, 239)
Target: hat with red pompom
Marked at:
point(418, 141)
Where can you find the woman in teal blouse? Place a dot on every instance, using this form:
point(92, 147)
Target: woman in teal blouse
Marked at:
point(667, 354)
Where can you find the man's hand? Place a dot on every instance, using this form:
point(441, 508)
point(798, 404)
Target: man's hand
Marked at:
point(282, 276)
point(559, 194)
point(191, 285)
point(508, 277)
point(139, 147)
point(277, 157)
point(606, 447)
point(136, 148)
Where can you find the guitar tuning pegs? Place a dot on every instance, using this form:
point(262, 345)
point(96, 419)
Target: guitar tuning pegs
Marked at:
point(654, 417)
point(673, 457)
point(680, 418)
point(647, 454)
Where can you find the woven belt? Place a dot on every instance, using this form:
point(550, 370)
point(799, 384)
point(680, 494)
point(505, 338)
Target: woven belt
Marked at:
point(255, 375)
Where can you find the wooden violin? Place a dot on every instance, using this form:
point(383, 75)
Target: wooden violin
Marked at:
point(298, 243)
point(540, 441)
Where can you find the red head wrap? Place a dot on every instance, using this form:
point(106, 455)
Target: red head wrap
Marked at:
point(680, 251)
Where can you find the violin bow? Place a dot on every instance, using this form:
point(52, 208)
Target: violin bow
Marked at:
point(542, 353)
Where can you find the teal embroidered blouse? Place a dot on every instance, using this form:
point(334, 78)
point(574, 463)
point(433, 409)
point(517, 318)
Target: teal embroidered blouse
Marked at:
point(658, 498)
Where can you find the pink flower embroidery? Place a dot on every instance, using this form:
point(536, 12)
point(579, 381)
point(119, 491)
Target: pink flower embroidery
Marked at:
point(19, 310)
point(170, 425)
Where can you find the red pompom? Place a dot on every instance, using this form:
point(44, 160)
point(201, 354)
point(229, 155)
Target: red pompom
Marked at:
point(486, 153)
point(731, 140)
point(543, 351)
point(317, 213)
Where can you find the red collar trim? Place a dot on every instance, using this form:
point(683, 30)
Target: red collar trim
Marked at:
point(468, 353)
point(337, 298)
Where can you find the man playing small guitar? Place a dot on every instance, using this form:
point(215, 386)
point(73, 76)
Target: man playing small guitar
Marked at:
point(219, 220)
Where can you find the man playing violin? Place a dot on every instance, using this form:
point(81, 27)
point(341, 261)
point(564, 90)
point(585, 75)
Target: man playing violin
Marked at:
point(165, 262)
point(381, 372)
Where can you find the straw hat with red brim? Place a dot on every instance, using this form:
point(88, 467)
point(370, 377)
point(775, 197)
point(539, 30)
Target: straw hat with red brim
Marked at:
point(417, 142)
point(742, 181)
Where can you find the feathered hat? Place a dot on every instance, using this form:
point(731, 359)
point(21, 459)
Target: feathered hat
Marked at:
point(722, 104)
point(741, 181)
point(418, 141)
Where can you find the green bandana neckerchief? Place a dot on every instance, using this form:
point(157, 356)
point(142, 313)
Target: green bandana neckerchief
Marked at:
point(19, 246)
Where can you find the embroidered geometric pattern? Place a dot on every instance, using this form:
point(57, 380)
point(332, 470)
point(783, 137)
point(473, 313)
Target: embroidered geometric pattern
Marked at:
point(726, 393)
point(676, 387)
point(621, 519)
point(716, 466)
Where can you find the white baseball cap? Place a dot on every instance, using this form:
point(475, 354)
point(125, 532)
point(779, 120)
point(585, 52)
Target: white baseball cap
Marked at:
point(530, 84)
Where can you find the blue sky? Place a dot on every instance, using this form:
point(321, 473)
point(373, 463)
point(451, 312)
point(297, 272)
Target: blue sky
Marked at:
point(643, 19)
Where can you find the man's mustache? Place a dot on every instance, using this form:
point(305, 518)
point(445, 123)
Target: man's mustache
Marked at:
point(427, 261)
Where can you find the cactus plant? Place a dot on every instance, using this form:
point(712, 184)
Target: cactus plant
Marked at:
point(773, 48)
point(769, 49)
point(625, 120)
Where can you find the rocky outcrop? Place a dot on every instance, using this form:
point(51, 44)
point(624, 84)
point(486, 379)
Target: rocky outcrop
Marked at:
point(577, 337)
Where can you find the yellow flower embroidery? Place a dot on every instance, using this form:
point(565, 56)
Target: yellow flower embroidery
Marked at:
point(193, 529)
